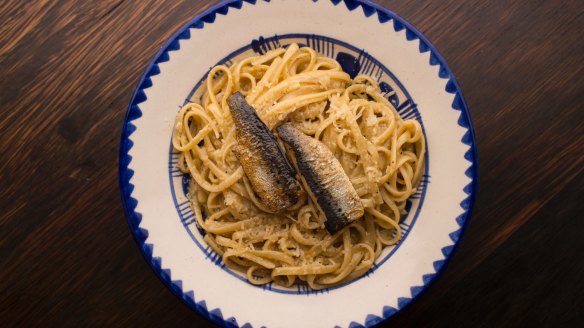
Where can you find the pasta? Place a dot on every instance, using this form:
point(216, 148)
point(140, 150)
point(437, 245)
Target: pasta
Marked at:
point(382, 155)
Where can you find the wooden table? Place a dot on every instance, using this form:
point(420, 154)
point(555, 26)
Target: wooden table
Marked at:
point(68, 70)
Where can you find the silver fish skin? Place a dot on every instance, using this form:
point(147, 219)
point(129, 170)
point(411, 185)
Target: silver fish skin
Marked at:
point(263, 161)
point(325, 177)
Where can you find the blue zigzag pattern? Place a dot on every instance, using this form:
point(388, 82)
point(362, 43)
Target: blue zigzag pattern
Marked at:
point(208, 17)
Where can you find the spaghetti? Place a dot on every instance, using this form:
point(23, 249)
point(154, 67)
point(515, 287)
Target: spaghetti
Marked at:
point(382, 154)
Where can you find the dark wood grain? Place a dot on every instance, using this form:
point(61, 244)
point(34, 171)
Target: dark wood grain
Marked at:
point(68, 69)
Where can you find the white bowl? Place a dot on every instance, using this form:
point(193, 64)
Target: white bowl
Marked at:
point(365, 38)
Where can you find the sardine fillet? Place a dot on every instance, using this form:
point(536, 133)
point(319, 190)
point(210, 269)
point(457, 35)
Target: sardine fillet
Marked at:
point(263, 161)
point(326, 178)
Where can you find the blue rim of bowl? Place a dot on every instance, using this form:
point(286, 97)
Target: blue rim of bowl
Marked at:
point(207, 17)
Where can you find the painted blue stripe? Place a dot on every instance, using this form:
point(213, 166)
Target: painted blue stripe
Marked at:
point(365, 69)
point(370, 65)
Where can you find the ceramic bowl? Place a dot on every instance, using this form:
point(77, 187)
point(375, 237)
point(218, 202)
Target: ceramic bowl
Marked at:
point(364, 38)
